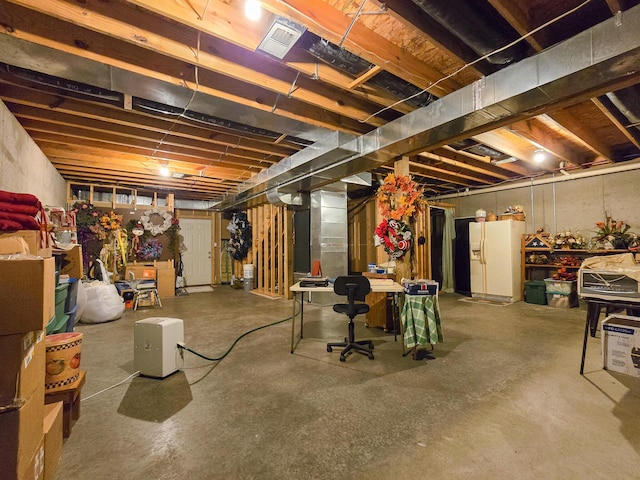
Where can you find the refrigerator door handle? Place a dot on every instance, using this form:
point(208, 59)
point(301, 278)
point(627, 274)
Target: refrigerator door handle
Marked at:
point(483, 257)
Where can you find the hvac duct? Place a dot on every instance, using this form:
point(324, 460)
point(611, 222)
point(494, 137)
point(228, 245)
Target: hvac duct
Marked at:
point(588, 64)
point(277, 198)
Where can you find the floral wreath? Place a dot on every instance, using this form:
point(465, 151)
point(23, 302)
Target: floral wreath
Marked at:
point(240, 240)
point(154, 229)
point(398, 197)
point(395, 237)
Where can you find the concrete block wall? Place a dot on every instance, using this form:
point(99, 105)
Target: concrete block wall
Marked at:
point(573, 204)
point(23, 166)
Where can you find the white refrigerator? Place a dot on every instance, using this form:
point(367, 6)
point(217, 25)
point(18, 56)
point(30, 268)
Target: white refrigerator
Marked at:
point(495, 260)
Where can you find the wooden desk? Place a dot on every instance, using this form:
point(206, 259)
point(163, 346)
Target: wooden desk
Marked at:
point(70, 396)
point(377, 285)
point(380, 310)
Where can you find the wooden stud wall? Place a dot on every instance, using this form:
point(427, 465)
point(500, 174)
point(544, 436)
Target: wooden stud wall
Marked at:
point(271, 250)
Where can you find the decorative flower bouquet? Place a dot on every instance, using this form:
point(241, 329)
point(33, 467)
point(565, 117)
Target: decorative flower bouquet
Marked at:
point(111, 221)
point(613, 234)
point(567, 239)
point(395, 237)
point(399, 197)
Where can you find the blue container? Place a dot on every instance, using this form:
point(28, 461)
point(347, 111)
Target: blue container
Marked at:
point(71, 322)
point(72, 294)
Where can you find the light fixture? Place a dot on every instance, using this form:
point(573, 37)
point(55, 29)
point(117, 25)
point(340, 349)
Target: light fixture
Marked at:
point(252, 10)
point(503, 161)
point(539, 156)
point(164, 171)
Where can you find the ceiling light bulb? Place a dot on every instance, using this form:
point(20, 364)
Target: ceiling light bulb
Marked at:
point(539, 156)
point(252, 10)
point(164, 171)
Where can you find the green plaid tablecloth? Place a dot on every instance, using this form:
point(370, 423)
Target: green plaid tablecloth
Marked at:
point(420, 319)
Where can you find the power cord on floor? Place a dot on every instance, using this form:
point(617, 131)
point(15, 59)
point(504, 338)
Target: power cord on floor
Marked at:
point(182, 346)
point(135, 374)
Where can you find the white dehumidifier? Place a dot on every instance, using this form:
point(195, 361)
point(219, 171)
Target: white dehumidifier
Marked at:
point(156, 352)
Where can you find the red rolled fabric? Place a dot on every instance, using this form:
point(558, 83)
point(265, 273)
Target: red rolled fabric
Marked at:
point(19, 208)
point(20, 198)
point(25, 222)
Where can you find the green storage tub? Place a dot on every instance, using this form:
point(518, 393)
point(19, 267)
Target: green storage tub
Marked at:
point(61, 297)
point(535, 292)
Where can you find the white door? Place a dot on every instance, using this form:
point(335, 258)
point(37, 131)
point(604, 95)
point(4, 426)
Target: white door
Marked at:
point(197, 257)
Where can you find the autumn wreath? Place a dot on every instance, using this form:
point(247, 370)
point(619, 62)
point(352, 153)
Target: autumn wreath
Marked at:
point(399, 197)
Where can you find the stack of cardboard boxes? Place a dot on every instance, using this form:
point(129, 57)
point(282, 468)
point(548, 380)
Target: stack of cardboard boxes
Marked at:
point(30, 437)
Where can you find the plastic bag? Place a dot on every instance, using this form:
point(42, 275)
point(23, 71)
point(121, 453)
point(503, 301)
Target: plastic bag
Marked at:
point(103, 303)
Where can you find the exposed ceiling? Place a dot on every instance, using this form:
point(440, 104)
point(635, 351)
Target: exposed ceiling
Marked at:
point(112, 90)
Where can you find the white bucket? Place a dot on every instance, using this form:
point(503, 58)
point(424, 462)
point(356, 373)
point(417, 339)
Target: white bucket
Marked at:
point(247, 270)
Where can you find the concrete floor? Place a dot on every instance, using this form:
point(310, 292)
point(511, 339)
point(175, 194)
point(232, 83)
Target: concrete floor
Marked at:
point(502, 398)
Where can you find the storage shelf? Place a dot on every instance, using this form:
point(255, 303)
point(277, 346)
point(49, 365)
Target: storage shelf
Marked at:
point(553, 255)
point(549, 265)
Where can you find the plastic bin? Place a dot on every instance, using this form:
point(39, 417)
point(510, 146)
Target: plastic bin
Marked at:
point(535, 292)
point(563, 300)
point(71, 323)
point(560, 286)
point(72, 294)
point(57, 324)
point(61, 297)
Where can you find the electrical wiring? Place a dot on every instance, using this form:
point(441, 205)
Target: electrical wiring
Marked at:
point(217, 359)
point(470, 64)
point(135, 374)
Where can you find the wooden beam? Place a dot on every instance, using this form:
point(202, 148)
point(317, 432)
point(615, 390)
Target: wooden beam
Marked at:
point(330, 23)
point(18, 95)
point(609, 111)
point(365, 77)
point(187, 49)
point(456, 158)
point(531, 131)
point(520, 20)
point(580, 133)
point(50, 32)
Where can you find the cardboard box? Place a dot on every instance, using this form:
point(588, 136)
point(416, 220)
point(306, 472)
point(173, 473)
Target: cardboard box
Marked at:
point(621, 344)
point(32, 238)
point(70, 262)
point(166, 282)
point(21, 435)
point(27, 291)
point(35, 469)
point(22, 360)
point(52, 426)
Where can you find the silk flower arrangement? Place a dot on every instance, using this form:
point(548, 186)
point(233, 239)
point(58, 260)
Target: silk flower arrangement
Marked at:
point(398, 197)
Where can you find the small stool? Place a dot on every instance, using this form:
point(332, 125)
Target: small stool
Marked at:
point(148, 294)
point(69, 395)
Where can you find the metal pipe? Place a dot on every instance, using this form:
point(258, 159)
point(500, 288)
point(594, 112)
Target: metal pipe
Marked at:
point(353, 20)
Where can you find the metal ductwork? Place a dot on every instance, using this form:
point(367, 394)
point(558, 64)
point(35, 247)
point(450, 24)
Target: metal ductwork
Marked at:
point(278, 198)
point(481, 33)
point(588, 64)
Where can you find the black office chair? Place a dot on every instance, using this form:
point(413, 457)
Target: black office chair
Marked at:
point(355, 287)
